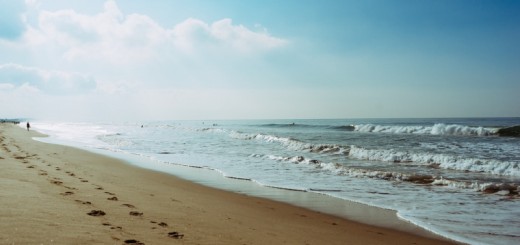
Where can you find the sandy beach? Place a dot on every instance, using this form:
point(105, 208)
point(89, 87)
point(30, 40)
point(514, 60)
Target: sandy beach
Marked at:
point(52, 194)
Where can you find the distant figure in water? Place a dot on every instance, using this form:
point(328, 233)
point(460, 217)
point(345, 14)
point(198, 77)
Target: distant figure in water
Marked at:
point(28, 126)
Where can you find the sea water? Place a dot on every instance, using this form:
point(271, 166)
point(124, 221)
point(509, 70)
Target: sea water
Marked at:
point(455, 177)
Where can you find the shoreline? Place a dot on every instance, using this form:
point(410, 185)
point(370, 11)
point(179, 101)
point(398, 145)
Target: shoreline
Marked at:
point(57, 186)
point(314, 201)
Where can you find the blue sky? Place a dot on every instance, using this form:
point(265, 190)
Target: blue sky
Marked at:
point(155, 60)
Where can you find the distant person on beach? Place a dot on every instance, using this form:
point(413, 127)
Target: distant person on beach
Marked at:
point(28, 126)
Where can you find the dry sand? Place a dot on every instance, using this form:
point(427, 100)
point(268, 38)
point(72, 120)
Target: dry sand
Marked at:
point(47, 192)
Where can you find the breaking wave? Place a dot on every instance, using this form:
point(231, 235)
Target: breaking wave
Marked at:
point(436, 129)
point(433, 160)
point(291, 143)
point(444, 161)
point(436, 160)
point(345, 128)
point(422, 179)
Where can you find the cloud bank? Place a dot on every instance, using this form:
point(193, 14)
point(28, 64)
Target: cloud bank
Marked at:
point(14, 76)
point(118, 38)
point(115, 65)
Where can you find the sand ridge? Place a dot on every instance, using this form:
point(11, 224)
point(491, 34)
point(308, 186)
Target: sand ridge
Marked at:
point(54, 194)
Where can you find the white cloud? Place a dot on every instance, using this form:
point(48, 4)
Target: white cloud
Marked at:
point(107, 35)
point(142, 68)
point(52, 82)
point(113, 36)
point(242, 38)
point(192, 33)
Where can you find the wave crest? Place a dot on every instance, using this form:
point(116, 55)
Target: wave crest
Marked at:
point(444, 161)
point(422, 179)
point(435, 160)
point(436, 129)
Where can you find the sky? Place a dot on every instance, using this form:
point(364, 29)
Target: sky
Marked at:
point(128, 60)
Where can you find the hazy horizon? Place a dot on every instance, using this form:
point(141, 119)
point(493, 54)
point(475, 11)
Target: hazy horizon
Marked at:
point(225, 60)
point(144, 121)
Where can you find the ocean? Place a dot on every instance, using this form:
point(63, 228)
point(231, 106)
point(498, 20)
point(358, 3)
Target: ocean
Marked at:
point(455, 177)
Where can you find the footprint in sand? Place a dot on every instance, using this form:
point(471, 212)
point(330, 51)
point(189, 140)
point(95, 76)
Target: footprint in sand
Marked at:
point(162, 224)
point(128, 205)
point(135, 213)
point(67, 193)
point(112, 198)
point(110, 193)
point(96, 213)
point(82, 202)
point(133, 241)
point(56, 182)
point(175, 235)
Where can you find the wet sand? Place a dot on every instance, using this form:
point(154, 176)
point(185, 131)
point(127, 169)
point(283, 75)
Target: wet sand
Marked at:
point(52, 194)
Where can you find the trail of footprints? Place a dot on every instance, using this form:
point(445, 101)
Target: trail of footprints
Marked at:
point(27, 159)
